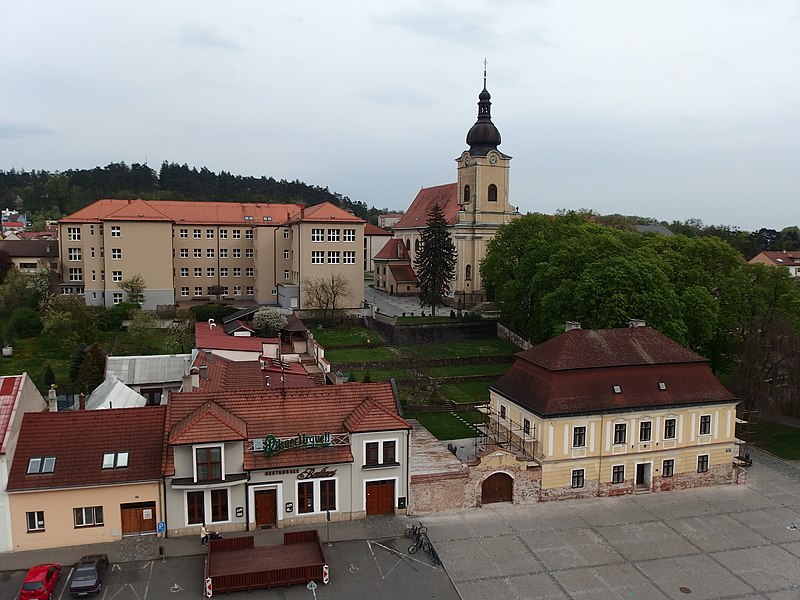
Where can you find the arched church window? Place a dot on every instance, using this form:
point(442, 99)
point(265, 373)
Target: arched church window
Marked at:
point(468, 273)
point(466, 195)
point(492, 193)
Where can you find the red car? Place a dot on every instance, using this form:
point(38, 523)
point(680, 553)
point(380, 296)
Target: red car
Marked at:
point(40, 582)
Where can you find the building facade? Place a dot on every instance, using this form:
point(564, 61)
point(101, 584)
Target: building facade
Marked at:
point(607, 412)
point(474, 207)
point(96, 481)
point(774, 258)
point(253, 459)
point(199, 251)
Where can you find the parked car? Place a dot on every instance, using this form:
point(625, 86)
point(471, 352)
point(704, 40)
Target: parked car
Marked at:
point(87, 578)
point(40, 582)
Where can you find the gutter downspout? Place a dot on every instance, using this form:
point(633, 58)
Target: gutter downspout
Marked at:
point(408, 446)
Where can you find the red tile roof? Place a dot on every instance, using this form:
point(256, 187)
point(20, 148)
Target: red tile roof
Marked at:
point(325, 212)
point(446, 196)
point(781, 258)
point(223, 374)
point(370, 229)
point(393, 250)
point(78, 440)
point(286, 413)
point(208, 423)
point(177, 211)
point(404, 274)
point(9, 400)
point(577, 372)
point(215, 338)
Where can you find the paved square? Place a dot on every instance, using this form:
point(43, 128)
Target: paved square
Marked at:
point(728, 542)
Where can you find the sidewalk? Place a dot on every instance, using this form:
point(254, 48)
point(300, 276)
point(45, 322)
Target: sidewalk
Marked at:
point(146, 547)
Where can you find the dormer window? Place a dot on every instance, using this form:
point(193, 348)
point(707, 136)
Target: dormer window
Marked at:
point(41, 464)
point(115, 460)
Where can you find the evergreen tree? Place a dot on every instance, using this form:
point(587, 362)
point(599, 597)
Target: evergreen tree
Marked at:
point(93, 369)
point(436, 261)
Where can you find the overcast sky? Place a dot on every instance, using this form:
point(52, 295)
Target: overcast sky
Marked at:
point(673, 109)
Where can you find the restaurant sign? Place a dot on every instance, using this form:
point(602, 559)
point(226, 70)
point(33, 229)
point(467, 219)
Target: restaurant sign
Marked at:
point(273, 445)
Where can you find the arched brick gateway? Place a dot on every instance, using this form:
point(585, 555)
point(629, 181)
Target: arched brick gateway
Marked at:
point(498, 487)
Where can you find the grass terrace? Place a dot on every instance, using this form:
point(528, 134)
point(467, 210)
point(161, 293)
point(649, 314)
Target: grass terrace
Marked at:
point(330, 337)
point(360, 355)
point(778, 439)
point(448, 425)
point(462, 348)
point(467, 392)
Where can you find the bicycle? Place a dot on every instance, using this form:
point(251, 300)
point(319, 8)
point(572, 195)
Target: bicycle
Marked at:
point(414, 531)
point(423, 542)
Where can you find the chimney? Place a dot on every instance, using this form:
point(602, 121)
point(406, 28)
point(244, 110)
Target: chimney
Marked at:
point(82, 401)
point(636, 323)
point(52, 399)
point(570, 325)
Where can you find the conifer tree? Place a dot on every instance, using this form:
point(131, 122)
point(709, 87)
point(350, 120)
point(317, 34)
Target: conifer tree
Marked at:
point(436, 261)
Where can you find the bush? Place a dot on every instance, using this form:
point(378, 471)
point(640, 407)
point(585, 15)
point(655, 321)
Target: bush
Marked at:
point(114, 316)
point(24, 322)
point(204, 312)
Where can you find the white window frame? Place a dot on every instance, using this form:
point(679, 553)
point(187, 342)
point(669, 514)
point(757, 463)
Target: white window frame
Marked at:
point(613, 467)
point(248, 234)
point(316, 496)
point(74, 254)
point(74, 234)
point(198, 271)
point(75, 274)
point(333, 257)
point(223, 253)
point(317, 235)
point(223, 271)
point(198, 290)
point(585, 435)
point(197, 447)
point(183, 233)
point(701, 422)
point(116, 254)
point(237, 290)
point(248, 253)
point(237, 271)
point(286, 234)
point(184, 253)
point(116, 231)
point(333, 235)
point(116, 276)
point(197, 234)
point(206, 506)
point(184, 271)
point(349, 257)
point(209, 234)
point(116, 298)
point(249, 272)
point(380, 443)
point(209, 253)
point(223, 234)
point(250, 290)
point(38, 520)
point(210, 272)
point(286, 255)
point(84, 511)
point(236, 234)
point(674, 428)
point(317, 257)
point(237, 253)
point(185, 291)
point(197, 252)
point(348, 235)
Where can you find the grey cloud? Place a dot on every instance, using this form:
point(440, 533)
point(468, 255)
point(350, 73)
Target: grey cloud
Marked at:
point(207, 39)
point(10, 131)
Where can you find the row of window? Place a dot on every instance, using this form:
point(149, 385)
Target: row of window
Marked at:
point(222, 290)
point(318, 235)
point(645, 431)
point(76, 254)
point(318, 257)
point(47, 464)
point(618, 471)
point(87, 516)
point(223, 253)
point(223, 272)
point(223, 234)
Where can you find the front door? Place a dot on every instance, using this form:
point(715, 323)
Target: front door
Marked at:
point(138, 518)
point(643, 475)
point(266, 508)
point(380, 497)
point(498, 487)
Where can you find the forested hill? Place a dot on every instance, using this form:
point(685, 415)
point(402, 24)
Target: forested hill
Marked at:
point(58, 194)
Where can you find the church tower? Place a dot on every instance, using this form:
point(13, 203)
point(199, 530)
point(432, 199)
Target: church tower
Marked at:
point(483, 201)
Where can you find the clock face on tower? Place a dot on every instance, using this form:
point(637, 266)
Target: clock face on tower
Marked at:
point(493, 158)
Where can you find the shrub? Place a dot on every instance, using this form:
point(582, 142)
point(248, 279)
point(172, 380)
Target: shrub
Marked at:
point(204, 312)
point(24, 322)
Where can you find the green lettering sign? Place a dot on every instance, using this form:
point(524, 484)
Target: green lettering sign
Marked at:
point(273, 445)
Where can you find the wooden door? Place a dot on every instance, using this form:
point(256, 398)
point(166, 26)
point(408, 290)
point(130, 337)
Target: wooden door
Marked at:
point(266, 508)
point(137, 518)
point(380, 497)
point(498, 487)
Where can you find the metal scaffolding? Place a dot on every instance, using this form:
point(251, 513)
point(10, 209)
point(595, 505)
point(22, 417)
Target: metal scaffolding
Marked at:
point(503, 432)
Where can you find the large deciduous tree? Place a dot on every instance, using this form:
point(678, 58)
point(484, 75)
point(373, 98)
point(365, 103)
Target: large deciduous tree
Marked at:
point(327, 295)
point(268, 322)
point(436, 261)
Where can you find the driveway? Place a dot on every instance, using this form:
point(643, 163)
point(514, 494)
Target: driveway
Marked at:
point(727, 542)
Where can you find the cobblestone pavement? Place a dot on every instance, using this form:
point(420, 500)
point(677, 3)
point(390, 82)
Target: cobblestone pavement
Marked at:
point(722, 543)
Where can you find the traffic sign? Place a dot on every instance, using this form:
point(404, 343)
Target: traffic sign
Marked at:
point(209, 590)
point(326, 574)
point(162, 527)
point(311, 585)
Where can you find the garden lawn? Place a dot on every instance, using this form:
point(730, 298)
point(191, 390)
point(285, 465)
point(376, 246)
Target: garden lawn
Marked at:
point(445, 425)
point(776, 438)
point(471, 391)
point(32, 355)
point(359, 355)
point(491, 371)
point(483, 347)
point(330, 337)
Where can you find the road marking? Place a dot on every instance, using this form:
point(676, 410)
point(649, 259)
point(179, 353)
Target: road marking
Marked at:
point(402, 556)
point(149, 577)
point(64, 589)
point(147, 564)
point(116, 566)
point(175, 588)
point(353, 568)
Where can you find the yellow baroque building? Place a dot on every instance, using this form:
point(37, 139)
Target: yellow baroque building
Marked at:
point(614, 411)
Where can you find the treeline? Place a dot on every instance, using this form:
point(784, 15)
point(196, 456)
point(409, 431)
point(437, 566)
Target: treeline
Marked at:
point(542, 271)
point(46, 195)
point(749, 244)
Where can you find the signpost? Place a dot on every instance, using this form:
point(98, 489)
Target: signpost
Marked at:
point(209, 590)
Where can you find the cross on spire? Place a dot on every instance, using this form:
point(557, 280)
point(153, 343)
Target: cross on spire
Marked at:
point(484, 73)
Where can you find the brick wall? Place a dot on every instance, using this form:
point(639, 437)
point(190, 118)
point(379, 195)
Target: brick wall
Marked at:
point(716, 475)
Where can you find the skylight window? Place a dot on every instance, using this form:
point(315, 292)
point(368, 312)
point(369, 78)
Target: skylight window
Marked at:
point(617, 389)
point(248, 218)
point(115, 460)
point(662, 386)
point(41, 464)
